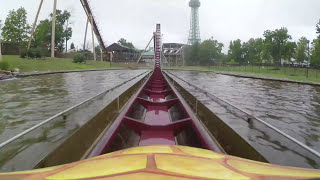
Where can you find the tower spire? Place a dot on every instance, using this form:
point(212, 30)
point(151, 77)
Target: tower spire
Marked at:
point(194, 34)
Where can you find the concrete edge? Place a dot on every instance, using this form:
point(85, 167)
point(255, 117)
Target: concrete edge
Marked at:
point(61, 72)
point(242, 75)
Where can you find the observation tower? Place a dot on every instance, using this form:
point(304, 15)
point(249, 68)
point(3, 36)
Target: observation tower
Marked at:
point(194, 34)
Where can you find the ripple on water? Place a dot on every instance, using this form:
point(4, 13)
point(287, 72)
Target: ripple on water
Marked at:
point(28, 101)
point(292, 108)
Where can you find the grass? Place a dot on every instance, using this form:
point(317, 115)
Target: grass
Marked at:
point(296, 74)
point(57, 64)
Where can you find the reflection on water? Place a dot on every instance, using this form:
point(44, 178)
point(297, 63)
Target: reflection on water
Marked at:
point(28, 101)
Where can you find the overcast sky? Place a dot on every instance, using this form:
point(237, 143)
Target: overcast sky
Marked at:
point(225, 20)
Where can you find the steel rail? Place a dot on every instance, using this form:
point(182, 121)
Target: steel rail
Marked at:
point(314, 152)
point(63, 112)
point(88, 11)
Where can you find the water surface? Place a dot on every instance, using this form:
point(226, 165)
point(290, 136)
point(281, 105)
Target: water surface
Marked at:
point(28, 101)
point(292, 108)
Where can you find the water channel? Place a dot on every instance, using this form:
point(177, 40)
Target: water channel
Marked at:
point(28, 101)
point(292, 108)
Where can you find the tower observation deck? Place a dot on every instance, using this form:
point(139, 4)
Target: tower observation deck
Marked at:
point(194, 34)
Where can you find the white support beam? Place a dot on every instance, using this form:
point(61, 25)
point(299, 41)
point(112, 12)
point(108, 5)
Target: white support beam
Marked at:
point(93, 45)
point(145, 49)
point(35, 24)
point(85, 36)
point(53, 28)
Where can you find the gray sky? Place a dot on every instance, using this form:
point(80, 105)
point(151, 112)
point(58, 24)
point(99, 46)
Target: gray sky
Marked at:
point(225, 20)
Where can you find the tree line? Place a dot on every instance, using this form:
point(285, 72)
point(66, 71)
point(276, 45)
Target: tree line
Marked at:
point(17, 30)
point(275, 47)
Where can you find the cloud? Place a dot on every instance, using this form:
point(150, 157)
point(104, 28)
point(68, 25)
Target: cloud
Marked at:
point(225, 20)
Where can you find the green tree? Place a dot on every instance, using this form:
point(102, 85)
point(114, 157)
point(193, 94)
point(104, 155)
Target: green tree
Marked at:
point(276, 40)
point(72, 46)
point(253, 50)
point(289, 50)
point(302, 50)
point(318, 29)
point(16, 28)
point(236, 51)
point(124, 42)
point(192, 54)
point(208, 50)
point(98, 49)
point(315, 53)
point(42, 37)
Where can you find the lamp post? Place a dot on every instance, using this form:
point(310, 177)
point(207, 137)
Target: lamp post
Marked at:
point(308, 64)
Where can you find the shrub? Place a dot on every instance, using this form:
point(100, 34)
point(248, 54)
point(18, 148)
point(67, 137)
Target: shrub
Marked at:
point(37, 53)
point(4, 65)
point(232, 62)
point(79, 59)
point(30, 53)
point(23, 54)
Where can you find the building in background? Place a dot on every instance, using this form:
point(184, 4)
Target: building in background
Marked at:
point(147, 57)
point(174, 53)
point(120, 53)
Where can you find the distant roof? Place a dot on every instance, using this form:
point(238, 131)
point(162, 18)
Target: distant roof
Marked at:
point(119, 47)
point(148, 53)
point(168, 45)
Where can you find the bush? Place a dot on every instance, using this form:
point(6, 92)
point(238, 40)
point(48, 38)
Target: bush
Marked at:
point(4, 65)
point(37, 53)
point(79, 59)
point(232, 62)
point(30, 53)
point(23, 54)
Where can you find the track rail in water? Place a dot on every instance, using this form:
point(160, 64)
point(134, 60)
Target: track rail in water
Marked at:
point(159, 124)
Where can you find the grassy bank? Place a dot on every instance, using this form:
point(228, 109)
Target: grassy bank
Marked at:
point(296, 74)
point(55, 64)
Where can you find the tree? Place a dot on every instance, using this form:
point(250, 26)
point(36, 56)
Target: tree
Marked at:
point(0, 40)
point(276, 41)
point(192, 54)
point(266, 54)
point(67, 30)
point(16, 28)
point(72, 46)
point(124, 42)
point(318, 29)
point(253, 50)
point(236, 51)
point(302, 50)
point(208, 50)
point(98, 49)
point(42, 36)
point(315, 53)
point(289, 50)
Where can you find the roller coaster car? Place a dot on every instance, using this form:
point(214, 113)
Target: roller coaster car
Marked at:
point(165, 162)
